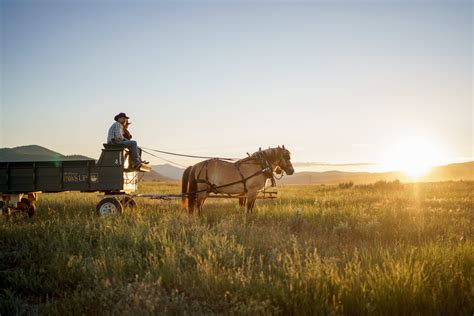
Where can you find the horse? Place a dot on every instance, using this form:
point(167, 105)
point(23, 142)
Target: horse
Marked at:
point(243, 178)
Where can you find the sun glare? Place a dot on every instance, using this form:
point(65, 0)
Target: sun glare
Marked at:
point(413, 157)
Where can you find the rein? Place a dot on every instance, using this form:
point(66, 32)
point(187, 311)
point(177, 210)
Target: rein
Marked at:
point(171, 162)
point(190, 156)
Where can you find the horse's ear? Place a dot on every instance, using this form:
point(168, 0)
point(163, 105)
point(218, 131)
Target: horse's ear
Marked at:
point(283, 147)
point(259, 148)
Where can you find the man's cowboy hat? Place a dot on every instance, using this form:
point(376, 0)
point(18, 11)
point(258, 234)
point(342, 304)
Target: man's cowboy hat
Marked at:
point(120, 115)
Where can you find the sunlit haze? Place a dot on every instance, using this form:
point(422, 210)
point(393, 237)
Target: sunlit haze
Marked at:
point(345, 85)
point(413, 157)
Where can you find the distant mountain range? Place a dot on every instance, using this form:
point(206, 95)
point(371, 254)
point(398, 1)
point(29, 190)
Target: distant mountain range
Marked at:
point(167, 172)
point(451, 172)
point(155, 176)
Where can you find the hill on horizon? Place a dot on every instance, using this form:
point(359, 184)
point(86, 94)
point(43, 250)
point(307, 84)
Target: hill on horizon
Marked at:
point(35, 153)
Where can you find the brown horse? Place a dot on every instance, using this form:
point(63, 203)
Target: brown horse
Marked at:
point(243, 178)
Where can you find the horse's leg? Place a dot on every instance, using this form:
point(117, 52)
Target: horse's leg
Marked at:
point(191, 205)
point(251, 197)
point(201, 206)
point(200, 201)
point(242, 200)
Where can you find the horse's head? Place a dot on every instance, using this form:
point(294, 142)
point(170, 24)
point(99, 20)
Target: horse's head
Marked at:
point(279, 158)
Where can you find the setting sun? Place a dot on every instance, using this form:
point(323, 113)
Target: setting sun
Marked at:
point(413, 157)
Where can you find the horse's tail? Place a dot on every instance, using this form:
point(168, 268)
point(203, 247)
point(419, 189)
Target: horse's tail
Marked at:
point(184, 185)
point(192, 189)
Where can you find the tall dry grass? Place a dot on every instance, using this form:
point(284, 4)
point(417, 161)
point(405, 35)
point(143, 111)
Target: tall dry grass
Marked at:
point(387, 248)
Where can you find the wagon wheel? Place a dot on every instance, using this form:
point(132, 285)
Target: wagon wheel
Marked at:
point(128, 202)
point(24, 203)
point(5, 210)
point(109, 206)
point(26, 206)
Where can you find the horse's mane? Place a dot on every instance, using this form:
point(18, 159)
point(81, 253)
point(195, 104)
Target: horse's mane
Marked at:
point(268, 154)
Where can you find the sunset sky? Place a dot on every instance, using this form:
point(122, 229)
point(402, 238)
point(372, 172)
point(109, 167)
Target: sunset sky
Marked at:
point(337, 82)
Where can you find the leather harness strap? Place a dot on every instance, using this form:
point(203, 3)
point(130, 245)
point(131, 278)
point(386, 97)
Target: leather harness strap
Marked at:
point(242, 176)
point(212, 187)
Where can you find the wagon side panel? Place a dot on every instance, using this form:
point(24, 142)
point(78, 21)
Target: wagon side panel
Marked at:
point(3, 177)
point(76, 175)
point(49, 176)
point(110, 178)
point(22, 177)
point(109, 174)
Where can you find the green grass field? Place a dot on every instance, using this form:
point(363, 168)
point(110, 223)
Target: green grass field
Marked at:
point(387, 248)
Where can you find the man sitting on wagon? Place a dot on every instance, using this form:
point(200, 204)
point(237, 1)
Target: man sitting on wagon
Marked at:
point(116, 136)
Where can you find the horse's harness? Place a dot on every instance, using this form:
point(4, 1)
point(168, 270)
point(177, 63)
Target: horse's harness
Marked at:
point(266, 169)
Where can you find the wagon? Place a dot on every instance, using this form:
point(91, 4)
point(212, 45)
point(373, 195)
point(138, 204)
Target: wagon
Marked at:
point(21, 182)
